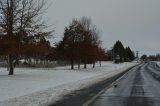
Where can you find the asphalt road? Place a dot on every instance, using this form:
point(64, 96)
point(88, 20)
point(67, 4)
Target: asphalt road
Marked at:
point(82, 96)
point(139, 87)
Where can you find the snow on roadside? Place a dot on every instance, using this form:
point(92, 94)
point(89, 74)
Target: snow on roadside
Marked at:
point(158, 62)
point(40, 87)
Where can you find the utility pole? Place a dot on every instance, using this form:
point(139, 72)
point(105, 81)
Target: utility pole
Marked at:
point(137, 57)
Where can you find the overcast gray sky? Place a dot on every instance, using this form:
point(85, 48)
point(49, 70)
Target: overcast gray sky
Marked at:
point(134, 22)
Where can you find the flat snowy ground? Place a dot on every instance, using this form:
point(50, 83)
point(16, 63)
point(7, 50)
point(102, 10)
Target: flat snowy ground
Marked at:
point(43, 86)
point(158, 62)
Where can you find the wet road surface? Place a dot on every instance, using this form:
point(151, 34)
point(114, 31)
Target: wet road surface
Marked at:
point(139, 87)
point(82, 96)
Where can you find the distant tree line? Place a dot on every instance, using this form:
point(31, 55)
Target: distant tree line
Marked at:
point(144, 57)
point(121, 54)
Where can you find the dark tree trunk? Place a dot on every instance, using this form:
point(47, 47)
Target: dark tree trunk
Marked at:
point(100, 63)
point(72, 64)
point(85, 64)
point(10, 18)
point(79, 64)
point(11, 68)
point(93, 64)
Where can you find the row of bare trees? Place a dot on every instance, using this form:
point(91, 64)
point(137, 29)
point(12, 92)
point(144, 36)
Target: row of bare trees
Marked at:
point(81, 43)
point(21, 28)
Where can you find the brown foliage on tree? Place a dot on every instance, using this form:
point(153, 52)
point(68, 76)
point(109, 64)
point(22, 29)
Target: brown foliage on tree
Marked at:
point(8, 45)
point(80, 43)
point(20, 18)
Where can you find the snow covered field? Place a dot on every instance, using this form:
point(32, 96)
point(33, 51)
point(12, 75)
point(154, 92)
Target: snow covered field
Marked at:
point(43, 86)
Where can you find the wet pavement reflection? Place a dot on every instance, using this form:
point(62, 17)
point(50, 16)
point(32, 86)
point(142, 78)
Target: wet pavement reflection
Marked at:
point(137, 88)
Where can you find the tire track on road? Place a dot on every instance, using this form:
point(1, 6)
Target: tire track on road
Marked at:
point(137, 97)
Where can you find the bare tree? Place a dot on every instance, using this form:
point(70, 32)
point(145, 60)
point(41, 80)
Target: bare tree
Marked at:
point(21, 18)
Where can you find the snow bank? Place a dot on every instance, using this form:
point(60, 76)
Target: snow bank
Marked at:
point(40, 87)
point(158, 62)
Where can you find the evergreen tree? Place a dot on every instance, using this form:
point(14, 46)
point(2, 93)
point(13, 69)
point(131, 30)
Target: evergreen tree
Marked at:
point(119, 50)
point(129, 54)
